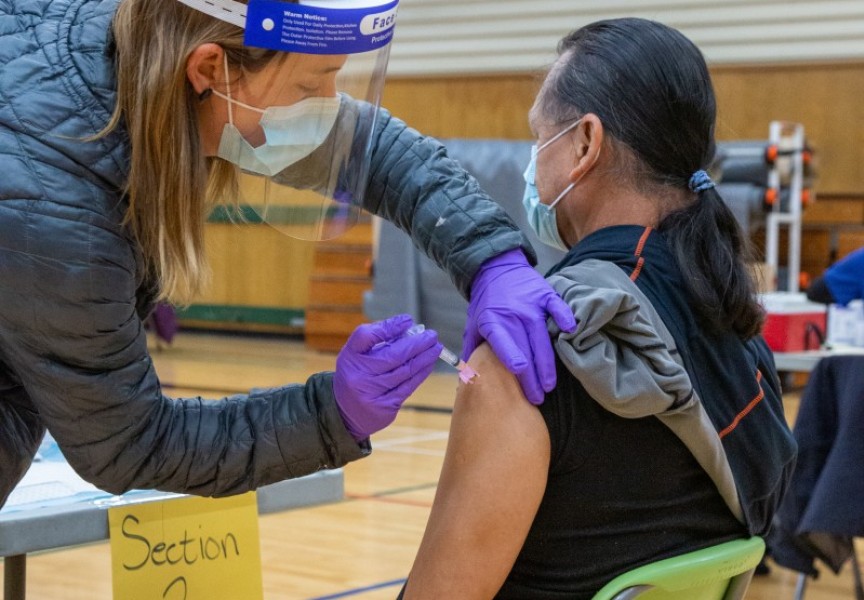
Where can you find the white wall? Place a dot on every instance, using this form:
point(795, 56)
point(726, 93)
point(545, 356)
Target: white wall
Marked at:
point(438, 37)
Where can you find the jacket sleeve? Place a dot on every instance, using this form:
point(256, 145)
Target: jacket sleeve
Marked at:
point(416, 186)
point(70, 332)
point(818, 291)
point(845, 278)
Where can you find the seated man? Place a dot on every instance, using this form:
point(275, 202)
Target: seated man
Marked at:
point(665, 433)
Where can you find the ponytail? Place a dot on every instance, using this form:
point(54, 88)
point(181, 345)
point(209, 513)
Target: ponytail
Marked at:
point(712, 253)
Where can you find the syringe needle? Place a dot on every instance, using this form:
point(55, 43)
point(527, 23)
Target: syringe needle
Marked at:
point(466, 373)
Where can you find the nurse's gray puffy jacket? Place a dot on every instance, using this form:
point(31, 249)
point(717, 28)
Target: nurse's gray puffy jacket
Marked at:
point(73, 353)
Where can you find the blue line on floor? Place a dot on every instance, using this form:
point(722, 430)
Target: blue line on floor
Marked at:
point(362, 590)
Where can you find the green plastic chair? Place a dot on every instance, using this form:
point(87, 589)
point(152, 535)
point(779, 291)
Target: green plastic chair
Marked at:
point(721, 572)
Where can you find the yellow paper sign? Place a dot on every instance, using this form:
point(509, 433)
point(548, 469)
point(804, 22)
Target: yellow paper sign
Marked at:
point(186, 549)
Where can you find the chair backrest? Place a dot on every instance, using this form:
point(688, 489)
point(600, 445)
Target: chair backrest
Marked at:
point(721, 572)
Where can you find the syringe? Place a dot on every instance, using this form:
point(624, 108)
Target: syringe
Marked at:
point(466, 373)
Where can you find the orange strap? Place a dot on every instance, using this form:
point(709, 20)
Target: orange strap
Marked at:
point(750, 406)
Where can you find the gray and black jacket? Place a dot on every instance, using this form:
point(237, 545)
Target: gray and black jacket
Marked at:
point(640, 351)
point(73, 355)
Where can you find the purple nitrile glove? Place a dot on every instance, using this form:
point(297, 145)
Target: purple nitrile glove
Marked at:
point(379, 367)
point(510, 302)
point(163, 319)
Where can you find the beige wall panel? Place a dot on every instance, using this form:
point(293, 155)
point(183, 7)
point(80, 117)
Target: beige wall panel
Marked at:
point(834, 211)
point(255, 265)
point(469, 107)
point(827, 99)
point(849, 241)
point(816, 251)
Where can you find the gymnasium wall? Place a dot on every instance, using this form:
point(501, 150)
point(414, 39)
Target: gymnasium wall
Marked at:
point(469, 68)
point(827, 99)
point(446, 37)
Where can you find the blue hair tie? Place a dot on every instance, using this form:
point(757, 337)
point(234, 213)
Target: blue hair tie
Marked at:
point(700, 181)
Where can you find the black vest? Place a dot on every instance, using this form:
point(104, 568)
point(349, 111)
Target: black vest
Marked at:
point(621, 492)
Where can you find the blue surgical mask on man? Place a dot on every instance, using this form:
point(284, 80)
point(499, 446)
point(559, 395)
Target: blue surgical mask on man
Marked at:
point(541, 217)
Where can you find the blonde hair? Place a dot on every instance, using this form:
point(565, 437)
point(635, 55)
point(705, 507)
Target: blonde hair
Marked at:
point(171, 185)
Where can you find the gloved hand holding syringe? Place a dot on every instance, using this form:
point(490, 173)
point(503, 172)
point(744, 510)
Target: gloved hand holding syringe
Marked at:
point(380, 366)
point(466, 373)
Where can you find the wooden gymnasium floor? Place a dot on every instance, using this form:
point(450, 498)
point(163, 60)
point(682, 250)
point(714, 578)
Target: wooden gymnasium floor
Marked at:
point(357, 548)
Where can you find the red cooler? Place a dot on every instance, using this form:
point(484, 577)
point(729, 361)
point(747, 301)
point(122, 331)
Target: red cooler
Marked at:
point(793, 324)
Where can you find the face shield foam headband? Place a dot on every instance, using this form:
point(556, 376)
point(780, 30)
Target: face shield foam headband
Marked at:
point(310, 174)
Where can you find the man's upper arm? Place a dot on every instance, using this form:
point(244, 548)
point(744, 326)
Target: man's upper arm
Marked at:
point(491, 484)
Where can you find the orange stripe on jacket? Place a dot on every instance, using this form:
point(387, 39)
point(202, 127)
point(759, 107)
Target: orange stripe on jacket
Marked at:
point(639, 247)
point(750, 406)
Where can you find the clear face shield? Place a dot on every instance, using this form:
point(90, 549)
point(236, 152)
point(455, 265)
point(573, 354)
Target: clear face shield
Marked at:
point(301, 127)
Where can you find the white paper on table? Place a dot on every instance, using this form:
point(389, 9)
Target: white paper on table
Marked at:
point(49, 482)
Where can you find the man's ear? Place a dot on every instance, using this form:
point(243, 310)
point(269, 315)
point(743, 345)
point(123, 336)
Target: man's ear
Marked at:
point(588, 143)
point(204, 67)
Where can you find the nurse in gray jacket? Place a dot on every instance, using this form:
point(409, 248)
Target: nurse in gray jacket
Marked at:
point(120, 123)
